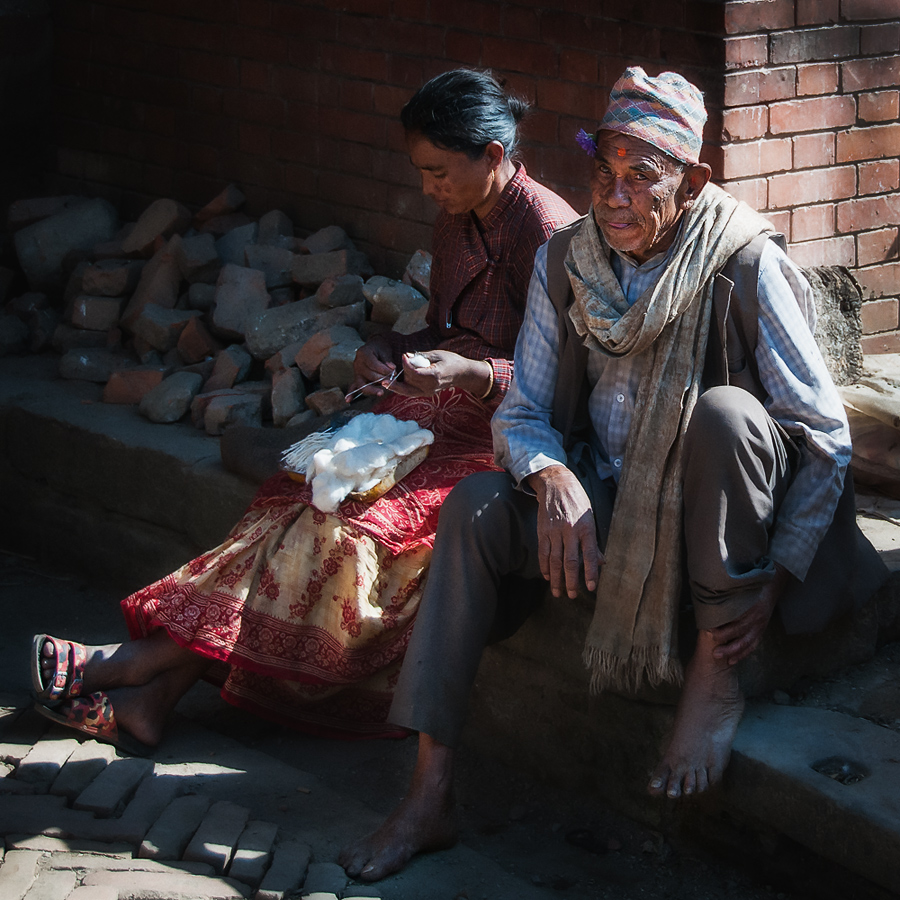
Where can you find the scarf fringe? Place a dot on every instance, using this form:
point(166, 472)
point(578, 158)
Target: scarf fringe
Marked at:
point(610, 672)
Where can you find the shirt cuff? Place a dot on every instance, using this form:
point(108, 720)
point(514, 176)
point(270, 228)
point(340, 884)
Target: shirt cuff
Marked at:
point(503, 374)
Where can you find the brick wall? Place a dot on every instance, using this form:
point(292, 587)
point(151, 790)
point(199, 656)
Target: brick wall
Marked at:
point(811, 137)
point(298, 102)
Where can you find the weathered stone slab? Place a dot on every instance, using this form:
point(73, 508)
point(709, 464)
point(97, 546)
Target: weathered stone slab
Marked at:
point(18, 873)
point(46, 758)
point(217, 836)
point(287, 871)
point(327, 240)
point(155, 886)
point(87, 761)
point(108, 863)
point(94, 892)
point(418, 272)
point(171, 833)
point(23, 731)
point(114, 786)
point(66, 338)
point(161, 219)
point(391, 301)
point(241, 296)
point(46, 844)
point(342, 290)
point(284, 358)
point(43, 246)
point(51, 885)
point(170, 400)
point(253, 853)
point(337, 367)
point(325, 877)
point(152, 797)
point(310, 270)
point(201, 296)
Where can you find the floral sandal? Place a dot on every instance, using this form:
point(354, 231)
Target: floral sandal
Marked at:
point(94, 716)
point(67, 680)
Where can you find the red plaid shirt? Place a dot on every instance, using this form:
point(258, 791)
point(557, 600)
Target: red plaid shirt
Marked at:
point(479, 276)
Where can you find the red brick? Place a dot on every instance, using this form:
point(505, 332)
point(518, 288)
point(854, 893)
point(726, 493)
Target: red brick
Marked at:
point(745, 88)
point(356, 62)
point(746, 52)
point(252, 107)
point(408, 71)
point(467, 14)
point(875, 142)
point(257, 13)
point(352, 126)
point(839, 251)
point(781, 222)
point(866, 74)
point(810, 222)
point(130, 385)
point(868, 213)
point(389, 100)
point(254, 139)
point(813, 151)
point(811, 114)
point(353, 191)
point(521, 23)
point(877, 39)
point(878, 246)
point(357, 95)
point(310, 24)
point(301, 180)
point(817, 12)
point(206, 99)
point(411, 9)
point(871, 9)
point(814, 44)
point(879, 177)
point(879, 281)
point(753, 192)
point(813, 186)
point(880, 106)
point(585, 32)
point(542, 127)
point(210, 68)
point(520, 56)
point(757, 158)
point(872, 345)
point(578, 65)
point(750, 16)
point(818, 78)
point(574, 99)
point(879, 316)
point(250, 43)
point(255, 76)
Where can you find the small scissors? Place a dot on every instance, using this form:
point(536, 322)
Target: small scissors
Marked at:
point(395, 375)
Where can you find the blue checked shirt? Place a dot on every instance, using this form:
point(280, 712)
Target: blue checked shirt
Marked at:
point(801, 397)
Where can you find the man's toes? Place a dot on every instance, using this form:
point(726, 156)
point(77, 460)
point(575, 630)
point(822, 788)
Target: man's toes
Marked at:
point(702, 780)
point(689, 783)
point(673, 788)
point(657, 784)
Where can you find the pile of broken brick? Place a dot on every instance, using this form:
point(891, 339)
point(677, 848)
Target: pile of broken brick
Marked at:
point(216, 315)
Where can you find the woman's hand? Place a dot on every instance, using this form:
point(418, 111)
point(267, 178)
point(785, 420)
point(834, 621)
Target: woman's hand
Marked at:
point(445, 370)
point(373, 363)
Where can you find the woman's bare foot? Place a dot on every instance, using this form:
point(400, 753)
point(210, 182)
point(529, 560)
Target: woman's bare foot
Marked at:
point(709, 712)
point(425, 820)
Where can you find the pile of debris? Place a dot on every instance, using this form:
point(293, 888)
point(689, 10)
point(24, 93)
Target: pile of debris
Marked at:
point(230, 319)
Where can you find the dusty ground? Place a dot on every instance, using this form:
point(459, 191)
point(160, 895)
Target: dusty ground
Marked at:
point(577, 849)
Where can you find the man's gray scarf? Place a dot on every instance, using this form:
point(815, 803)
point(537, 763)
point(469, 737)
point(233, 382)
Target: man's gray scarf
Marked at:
point(633, 632)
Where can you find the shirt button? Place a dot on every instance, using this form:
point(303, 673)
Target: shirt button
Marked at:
point(617, 463)
point(620, 398)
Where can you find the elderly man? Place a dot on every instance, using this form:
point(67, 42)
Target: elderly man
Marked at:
point(671, 427)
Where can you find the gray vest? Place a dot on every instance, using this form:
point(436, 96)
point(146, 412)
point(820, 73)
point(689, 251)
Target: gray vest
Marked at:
point(846, 570)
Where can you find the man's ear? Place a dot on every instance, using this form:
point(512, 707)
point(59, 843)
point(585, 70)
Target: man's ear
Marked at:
point(693, 181)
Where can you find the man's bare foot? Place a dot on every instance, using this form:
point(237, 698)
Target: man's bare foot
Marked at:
point(709, 712)
point(425, 820)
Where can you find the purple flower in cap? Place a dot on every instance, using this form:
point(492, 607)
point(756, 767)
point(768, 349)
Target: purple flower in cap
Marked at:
point(586, 142)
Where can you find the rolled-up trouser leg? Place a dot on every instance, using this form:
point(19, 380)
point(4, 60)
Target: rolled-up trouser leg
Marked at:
point(736, 472)
point(487, 529)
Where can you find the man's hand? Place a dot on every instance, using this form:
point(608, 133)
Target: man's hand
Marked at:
point(373, 362)
point(567, 535)
point(446, 370)
point(738, 639)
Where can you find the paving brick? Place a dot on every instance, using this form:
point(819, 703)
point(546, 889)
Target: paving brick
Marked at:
point(104, 862)
point(94, 892)
point(159, 283)
point(96, 313)
point(154, 886)
point(40, 814)
point(253, 853)
point(46, 758)
point(327, 240)
point(161, 219)
point(160, 327)
point(274, 225)
point(274, 262)
point(311, 353)
point(18, 872)
point(230, 200)
point(362, 892)
point(287, 871)
point(215, 839)
point(240, 295)
point(197, 258)
point(326, 403)
point(52, 885)
point(114, 786)
point(131, 385)
point(46, 844)
point(323, 877)
point(312, 269)
point(232, 246)
point(152, 797)
point(231, 367)
point(195, 343)
point(88, 760)
point(112, 277)
point(171, 833)
point(337, 368)
point(288, 394)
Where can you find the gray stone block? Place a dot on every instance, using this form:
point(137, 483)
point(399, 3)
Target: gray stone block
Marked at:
point(161, 219)
point(171, 833)
point(418, 272)
point(239, 409)
point(46, 758)
point(232, 246)
point(310, 270)
point(87, 761)
point(327, 239)
point(215, 840)
point(391, 301)
point(159, 283)
point(337, 367)
point(112, 277)
point(66, 338)
point(18, 873)
point(43, 246)
point(51, 885)
point(274, 262)
point(151, 798)
point(253, 853)
point(92, 364)
point(288, 396)
point(96, 313)
point(273, 225)
point(231, 367)
point(287, 871)
point(198, 258)
point(171, 399)
point(325, 877)
point(340, 291)
point(155, 885)
point(114, 786)
point(161, 327)
point(241, 296)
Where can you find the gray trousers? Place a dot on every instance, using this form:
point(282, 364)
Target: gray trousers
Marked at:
point(737, 470)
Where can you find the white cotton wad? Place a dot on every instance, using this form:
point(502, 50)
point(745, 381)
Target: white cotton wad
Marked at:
point(417, 361)
point(360, 455)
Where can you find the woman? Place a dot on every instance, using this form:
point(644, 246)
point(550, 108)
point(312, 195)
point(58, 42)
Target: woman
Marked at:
point(301, 616)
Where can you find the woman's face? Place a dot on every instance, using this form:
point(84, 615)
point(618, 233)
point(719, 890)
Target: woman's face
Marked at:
point(457, 183)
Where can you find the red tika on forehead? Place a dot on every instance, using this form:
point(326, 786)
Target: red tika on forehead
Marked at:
point(621, 151)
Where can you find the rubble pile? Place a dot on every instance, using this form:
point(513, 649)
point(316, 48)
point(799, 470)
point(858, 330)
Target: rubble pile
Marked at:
point(216, 315)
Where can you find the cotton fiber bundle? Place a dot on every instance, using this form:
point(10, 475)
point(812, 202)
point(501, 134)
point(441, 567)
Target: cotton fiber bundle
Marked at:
point(364, 459)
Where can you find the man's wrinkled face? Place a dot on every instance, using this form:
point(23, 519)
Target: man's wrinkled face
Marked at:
point(638, 195)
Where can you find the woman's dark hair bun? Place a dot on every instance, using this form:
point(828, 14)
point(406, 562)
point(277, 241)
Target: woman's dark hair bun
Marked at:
point(464, 110)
